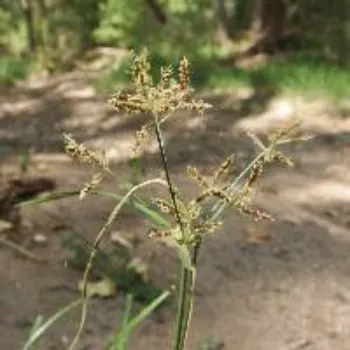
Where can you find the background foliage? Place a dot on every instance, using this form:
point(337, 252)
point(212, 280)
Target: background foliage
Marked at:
point(57, 32)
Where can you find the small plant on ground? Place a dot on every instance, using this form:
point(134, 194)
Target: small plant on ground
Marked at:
point(182, 223)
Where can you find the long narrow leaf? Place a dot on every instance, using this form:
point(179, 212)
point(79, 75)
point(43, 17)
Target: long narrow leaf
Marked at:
point(37, 323)
point(49, 197)
point(47, 324)
point(151, 214)
point(122, 337)
point(137, 202)
point(147, 310)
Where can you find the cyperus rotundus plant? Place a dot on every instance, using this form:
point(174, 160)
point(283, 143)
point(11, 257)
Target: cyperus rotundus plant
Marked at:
point(179, 222)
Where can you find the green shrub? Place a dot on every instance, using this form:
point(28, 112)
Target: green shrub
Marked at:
point(12, 70)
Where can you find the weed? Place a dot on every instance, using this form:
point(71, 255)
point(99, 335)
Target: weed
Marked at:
point(184, 223)
point(12, 70)
point(179, 222)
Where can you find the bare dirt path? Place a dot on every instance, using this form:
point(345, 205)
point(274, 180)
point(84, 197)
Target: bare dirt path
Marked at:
point(291, 292)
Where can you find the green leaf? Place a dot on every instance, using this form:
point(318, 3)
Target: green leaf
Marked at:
point(38, 331)
point(145, 312)
point(121, 339)
point(150, 213)
point(49, 197)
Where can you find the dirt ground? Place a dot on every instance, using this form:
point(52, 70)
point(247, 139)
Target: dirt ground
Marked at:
point(291, 292)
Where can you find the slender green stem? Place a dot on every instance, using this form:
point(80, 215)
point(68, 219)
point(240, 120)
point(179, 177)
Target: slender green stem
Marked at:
point(187, 279)
point(167, 174)
point(185, 304)
point(186, 298)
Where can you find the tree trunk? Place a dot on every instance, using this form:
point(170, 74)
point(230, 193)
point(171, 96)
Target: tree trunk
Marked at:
point(29, 19)
point(224, 18)
point(157, 11)
point(268, 23)
point(273, 19)
point(256, 16)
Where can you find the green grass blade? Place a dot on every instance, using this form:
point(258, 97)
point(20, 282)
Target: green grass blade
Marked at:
point(39, 331)
point(37, 323)
point(144, 208)
point(49, 197)
point(147, 310)
point(121, 339)
point(137, 202)
point(151, 214)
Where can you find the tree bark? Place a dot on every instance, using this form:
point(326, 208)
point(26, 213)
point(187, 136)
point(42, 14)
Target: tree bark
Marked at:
point(224, 18)
point(29, 19)
point(157, 11)
point(268, 24)
point(256, 16)
point(273, 19)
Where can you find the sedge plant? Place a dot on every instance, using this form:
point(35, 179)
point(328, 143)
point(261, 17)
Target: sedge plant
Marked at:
point(181, 223)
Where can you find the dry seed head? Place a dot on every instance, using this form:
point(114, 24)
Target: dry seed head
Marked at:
point(197, 176)
point(155, 233)
point(91, 185)
point(278, 156)
point(221, 194)
point(288, 130)
point(224, 169)
point(208, 227)
point(166, 75)
point(164, 206)
point(199, 106)
point(254, 213)
point(255, 175)
point(129, 103)
point(142, 137)
point(140, 70)
point(184, 74)
point(82, 154)
point(193, 210)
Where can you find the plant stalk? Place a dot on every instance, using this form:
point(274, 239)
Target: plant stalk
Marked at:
point(186, 297)
point(167, 174)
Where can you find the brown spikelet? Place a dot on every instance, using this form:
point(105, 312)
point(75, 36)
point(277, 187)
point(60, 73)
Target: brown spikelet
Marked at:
point(199, 106)
point(129, 103)
point(208, 227)
point(278, 156)
point(166, 75)
point(91, 185)
point(221, 194)
point(254, 174)
point(164, 206)
point(142, 136)
point(255, 213)
point(288, 130)
point(224, 168)
point(82, 154)
point(184, 74)
point(193, 210)
point(140, 70)
point(155, 233)
point(197, 176)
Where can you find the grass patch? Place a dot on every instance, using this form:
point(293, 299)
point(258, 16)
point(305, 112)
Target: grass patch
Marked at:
point(13, 69)
point(308, 76)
